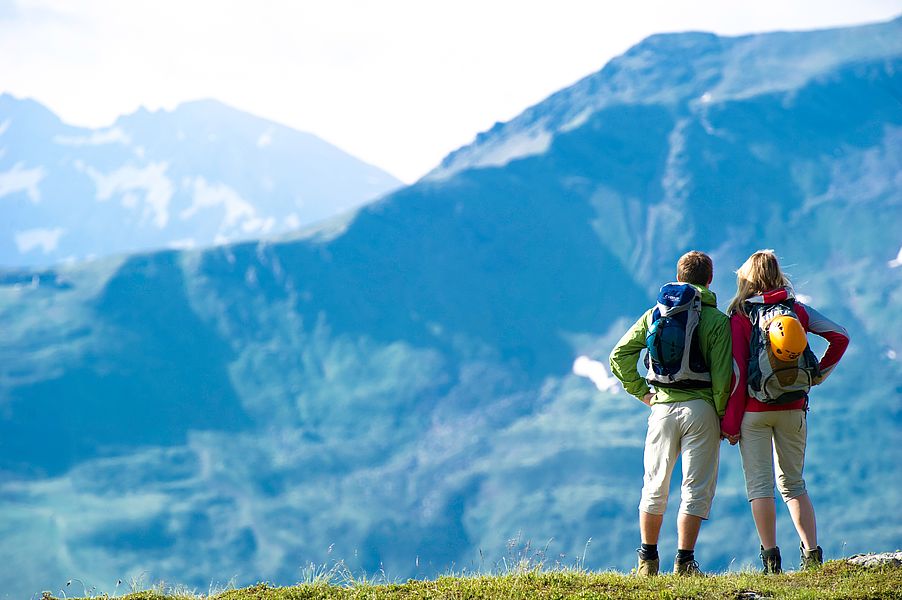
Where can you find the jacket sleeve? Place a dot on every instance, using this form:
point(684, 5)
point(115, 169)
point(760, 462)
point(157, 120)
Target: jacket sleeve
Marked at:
point(837, 340)
point(625, 356)
point(741, 330)
point(720, 362)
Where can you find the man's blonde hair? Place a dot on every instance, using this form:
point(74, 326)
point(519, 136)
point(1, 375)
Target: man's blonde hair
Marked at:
point(695, 267)
point(760, 273)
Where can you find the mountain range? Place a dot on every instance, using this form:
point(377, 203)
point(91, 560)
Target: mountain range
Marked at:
point(421, 386)
point(201, 174)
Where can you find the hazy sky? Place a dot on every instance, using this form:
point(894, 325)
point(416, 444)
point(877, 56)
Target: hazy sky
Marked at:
point(398, 83)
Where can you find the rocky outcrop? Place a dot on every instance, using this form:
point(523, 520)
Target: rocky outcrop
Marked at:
point(877, 560)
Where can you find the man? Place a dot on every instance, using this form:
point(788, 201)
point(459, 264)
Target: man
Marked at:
point(686, 407)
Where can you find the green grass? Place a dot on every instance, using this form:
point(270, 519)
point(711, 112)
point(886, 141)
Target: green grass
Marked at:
point(836, 579)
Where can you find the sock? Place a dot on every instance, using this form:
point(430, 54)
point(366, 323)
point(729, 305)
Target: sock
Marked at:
point(648, 551)
point(684, 556)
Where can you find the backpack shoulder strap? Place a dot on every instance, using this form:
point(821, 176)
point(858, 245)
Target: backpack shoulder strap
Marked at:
point(753, 311)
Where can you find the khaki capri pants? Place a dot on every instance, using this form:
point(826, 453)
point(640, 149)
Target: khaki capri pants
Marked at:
point(773, 436)
point(692, 429)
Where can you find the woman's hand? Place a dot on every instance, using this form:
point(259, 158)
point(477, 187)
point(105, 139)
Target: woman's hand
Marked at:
point(733, 439)
point(647, 398)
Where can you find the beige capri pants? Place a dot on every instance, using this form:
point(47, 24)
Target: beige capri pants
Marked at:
point(690, 428)
point(766, 437)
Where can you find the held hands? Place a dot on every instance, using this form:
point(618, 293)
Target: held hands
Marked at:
point(733, 439)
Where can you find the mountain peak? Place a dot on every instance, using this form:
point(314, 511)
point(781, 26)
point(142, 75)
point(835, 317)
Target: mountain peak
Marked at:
point(207, 106)
point(202, 173)
point(667, 42)
point(12, 107)
point(203, 109)
point(676, 68)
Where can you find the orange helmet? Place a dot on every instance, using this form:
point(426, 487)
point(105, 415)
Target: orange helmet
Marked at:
point(787, 338)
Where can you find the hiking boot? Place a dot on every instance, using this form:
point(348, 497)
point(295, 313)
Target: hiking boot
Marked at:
point(811, 559)
point(771, 560)
point(688, 568)
point(648, 567)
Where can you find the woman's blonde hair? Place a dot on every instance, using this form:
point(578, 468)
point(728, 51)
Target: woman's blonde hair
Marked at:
point(760, 273)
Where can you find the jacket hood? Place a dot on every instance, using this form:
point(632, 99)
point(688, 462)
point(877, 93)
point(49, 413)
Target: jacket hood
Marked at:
point(708, 297)
point(773, 296)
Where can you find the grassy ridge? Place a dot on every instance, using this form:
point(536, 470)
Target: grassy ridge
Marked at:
point(837, 579)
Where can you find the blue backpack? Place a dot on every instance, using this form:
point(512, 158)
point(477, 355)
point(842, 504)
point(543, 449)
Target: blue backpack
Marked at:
point(674, 358)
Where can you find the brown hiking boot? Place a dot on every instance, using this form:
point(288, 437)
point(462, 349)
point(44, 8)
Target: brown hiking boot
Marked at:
point(688, 568)
point(771, 560)
point(811, 559)
point(647, 567)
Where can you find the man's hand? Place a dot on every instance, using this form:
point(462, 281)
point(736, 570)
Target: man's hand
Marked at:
point(647, 398)
point(733, 439)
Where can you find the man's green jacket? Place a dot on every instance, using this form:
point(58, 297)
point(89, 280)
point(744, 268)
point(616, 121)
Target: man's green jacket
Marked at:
point(714, 339)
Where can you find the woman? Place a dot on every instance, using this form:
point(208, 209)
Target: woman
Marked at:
point(763, 428)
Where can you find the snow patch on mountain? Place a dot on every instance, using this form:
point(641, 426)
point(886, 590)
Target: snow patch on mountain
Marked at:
point(896, 262)
point(597, 373)
point(96, 138)
point(239, 215)
point(20, 179)
point(45, 239)
point(292, 221)
point(183, 244)
point(151, 180)
point(265, 139)
point(676, 177)
point(577, 121)
point(500, 151)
